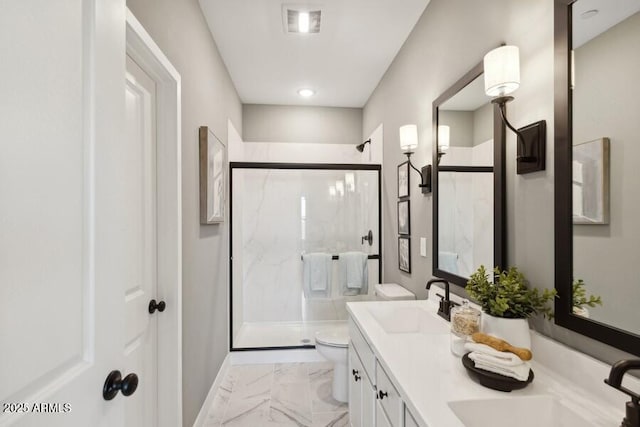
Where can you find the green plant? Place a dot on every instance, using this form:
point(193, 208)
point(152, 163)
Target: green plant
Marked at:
point(580, 296)
point(508, 296)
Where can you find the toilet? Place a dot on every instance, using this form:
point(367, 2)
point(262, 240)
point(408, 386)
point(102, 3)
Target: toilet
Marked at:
point(333, 344)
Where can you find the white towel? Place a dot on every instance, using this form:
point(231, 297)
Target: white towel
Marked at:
point(519, 372)
point(490, 355)
point(316, 272)
point(353, 272)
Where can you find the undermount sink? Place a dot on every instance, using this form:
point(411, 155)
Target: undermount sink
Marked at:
point(407, 320)
point(530, 411)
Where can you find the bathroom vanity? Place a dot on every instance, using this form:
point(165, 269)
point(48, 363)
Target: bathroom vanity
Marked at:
point(402, 374)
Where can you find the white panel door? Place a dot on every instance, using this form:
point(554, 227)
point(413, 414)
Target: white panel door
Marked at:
point(141, 327)
point(63, 211)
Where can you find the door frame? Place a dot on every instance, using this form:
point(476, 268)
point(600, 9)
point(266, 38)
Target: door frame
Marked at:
point(150, 58)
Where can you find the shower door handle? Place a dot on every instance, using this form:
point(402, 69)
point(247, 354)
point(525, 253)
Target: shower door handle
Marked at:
point(368, 238)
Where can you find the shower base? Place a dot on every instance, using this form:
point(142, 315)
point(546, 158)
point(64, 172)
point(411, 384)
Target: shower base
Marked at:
point(281, 334)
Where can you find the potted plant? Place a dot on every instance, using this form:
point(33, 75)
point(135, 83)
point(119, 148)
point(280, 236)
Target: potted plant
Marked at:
point(580, 299)
point(507, 303)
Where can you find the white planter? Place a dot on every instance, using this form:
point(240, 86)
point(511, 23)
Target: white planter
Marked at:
point(514, 331)
point(581, 311)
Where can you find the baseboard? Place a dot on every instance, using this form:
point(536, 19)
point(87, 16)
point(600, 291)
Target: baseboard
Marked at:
point(276, 356)
point(204, 410)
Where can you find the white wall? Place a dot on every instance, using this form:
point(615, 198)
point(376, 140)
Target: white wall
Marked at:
point(301, 124)
point(208, 99)
point(450, 38)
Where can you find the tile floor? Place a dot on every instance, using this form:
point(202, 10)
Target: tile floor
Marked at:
point(291, 394)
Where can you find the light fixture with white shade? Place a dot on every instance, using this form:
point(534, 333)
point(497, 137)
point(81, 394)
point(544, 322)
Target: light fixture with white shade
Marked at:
point(501, 78)
point(408, 143)
point(443, 140)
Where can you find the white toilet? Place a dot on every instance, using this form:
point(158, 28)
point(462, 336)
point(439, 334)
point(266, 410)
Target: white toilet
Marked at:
point(333, 344)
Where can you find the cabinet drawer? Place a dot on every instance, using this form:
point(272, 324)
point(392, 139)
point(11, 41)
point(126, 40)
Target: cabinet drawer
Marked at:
point(389, 397)
point(409, 421)
point(364, 351)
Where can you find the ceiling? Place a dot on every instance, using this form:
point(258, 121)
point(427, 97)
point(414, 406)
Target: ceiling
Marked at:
point(357, 42)
point(610, 13)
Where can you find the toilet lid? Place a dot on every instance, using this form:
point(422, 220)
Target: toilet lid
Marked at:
point(333, 337)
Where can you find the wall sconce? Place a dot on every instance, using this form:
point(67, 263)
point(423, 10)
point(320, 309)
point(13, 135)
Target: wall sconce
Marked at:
point(443, 140)
point(409, 142)
point(502, 77)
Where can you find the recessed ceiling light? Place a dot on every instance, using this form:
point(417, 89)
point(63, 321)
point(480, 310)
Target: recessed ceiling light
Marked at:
point(301, 20)
point(589, 14)
point(306, 93)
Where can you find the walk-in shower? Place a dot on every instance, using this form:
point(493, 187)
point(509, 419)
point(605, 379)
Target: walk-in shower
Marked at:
point(279, 213)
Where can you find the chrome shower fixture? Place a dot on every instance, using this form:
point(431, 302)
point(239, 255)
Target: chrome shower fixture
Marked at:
point(360, 147)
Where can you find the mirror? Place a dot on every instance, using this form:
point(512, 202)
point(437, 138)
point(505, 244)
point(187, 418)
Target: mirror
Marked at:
point(597, 202)
point(468, 183)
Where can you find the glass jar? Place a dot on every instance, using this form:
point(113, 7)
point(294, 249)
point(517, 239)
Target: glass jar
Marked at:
point(465, 321)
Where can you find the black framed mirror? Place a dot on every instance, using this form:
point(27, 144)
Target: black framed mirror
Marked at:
point(597, 204)
point(469, 225)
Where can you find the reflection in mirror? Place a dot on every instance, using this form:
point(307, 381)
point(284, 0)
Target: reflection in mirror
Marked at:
point(469, 117)
point(605, 130)
point(465, 230)
point(468, 220)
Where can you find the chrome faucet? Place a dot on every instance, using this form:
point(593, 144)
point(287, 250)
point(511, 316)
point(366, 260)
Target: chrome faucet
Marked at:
point(444, 309)
point(632, 418)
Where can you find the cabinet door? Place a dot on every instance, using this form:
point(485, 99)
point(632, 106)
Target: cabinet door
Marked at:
point(356, 380)
point(381, 417)
point(368, 402)
point(409, 421)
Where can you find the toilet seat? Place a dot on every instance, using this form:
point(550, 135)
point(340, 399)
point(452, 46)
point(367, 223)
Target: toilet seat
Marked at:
point(333, 337)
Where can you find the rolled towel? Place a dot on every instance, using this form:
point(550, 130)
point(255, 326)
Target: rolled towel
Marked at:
point(490, 355)
point(519, 372)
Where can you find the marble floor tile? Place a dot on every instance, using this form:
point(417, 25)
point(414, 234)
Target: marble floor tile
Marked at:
point(287, 373)
point(331, 419)
point(280, 395)
point(321, 378)
point(246, 412)
point(291, 403)
point(251, 381)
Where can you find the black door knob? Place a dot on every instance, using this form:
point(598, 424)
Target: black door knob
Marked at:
point(153, 306)
point(115, 383)
point(382, 394)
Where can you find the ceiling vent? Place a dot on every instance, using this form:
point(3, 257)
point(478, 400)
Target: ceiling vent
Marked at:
point(301, 19)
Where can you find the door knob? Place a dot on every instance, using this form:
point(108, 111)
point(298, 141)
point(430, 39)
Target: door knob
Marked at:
point(153, 306)
point(115, 383)
point(382, 394)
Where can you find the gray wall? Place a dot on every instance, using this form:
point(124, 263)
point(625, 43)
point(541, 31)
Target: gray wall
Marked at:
point(611, 61)
point(460, 127)
point(483, 124)
point(280, 123)
point(208, 98)
point(443, 46)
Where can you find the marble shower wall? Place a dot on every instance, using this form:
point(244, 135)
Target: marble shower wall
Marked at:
point(466, 210)
point(286, 213)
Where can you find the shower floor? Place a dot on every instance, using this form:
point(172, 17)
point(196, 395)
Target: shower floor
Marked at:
point(281, 334)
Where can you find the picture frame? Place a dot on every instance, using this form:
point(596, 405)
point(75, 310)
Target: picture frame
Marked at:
point(403, 180)
point(590, 182)
point(404, 217)
point(404, 254)
point(213, 159)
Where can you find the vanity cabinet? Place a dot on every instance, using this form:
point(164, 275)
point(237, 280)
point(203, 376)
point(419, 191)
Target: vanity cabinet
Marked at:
point(374, 401)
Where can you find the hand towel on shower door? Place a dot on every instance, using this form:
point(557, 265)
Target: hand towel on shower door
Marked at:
point(316, 272)
point(353, 273)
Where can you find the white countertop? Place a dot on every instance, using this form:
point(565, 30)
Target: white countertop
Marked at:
point(428, 375)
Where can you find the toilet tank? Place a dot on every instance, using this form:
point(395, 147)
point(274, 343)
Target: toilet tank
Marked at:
point(393, 292)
